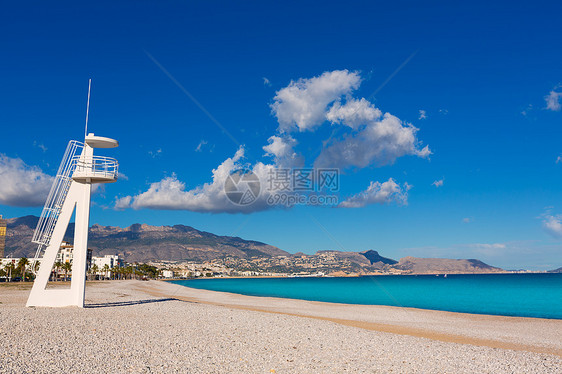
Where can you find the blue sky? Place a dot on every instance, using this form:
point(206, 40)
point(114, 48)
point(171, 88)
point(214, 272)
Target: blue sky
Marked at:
point(487, 76)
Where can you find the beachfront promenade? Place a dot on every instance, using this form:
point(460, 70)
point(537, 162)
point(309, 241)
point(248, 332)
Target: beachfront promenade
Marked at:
point(152, 327)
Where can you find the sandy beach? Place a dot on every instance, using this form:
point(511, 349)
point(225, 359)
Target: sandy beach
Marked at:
point(154, 327)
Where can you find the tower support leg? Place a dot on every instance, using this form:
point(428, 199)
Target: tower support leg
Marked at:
point(78, 197)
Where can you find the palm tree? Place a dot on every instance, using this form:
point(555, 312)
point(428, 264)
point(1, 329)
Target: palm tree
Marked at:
point(34, 268)
point(95, 270)
point(9, 267)
point(67, 267)
point(22, 264)
point(105, 270)
point(127, 271)
point(58, 267)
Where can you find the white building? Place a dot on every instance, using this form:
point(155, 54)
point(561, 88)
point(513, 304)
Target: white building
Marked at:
point(14, 260)
point(112, 261)
point(65, 253)
point(6, 260)
point(167, 273)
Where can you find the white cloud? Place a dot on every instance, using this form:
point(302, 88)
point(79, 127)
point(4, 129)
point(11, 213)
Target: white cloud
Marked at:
point(305, 104)
point(553, 225)
point(122, 176)
point(302, 104)
point(123, 202)
point(443, 111)
point(423, 114)
point(21, 184)
point(353, 113)
point(156, 153)
point(266, 82)
point(200, 146)
point(41, 146)
point(380, 143)
point(553, 100)
point(98, 188)
point(379, 193)
point(467, 220)
point(281, 149)
point(532, 255)
point(171, 194)
point(559, 159)
point(527, 110)
point(489, 249)
point(488, 245)
point(438, 183)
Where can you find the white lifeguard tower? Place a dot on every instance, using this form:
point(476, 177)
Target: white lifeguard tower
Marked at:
point(71, 190)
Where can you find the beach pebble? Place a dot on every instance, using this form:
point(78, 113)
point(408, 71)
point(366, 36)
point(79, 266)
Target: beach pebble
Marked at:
point(122, 334)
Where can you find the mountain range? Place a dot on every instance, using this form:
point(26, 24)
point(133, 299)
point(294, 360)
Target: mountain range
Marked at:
point(141, 243)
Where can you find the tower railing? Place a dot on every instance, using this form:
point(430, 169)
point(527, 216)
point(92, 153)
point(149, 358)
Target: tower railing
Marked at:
point(56, 197)
point(96, 167)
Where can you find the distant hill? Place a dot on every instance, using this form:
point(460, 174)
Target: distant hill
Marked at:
point(374, 257)
point(18, 236)
point(559, 270)
point(418, 265)
point(140, 242)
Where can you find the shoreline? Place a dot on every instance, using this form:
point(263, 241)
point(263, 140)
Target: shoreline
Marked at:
point(355, 275)
point(541, 335)
point(350, 304)
point(438, 325)
point(158, 327)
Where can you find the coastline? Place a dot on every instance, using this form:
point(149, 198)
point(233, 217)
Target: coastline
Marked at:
point(538, 335)
point(358, 275)
point(514, 295)
point(158, 327)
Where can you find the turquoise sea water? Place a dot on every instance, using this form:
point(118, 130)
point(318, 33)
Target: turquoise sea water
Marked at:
point(525, 295)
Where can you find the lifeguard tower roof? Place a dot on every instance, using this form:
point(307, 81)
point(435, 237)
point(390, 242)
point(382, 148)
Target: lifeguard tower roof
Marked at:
point(100, 141)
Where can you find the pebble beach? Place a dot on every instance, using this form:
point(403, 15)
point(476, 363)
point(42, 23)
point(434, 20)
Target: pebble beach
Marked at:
point(157, 327)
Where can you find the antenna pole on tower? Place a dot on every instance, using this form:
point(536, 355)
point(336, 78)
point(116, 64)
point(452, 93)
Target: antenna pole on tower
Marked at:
point(88, 107)
point(70, 196)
